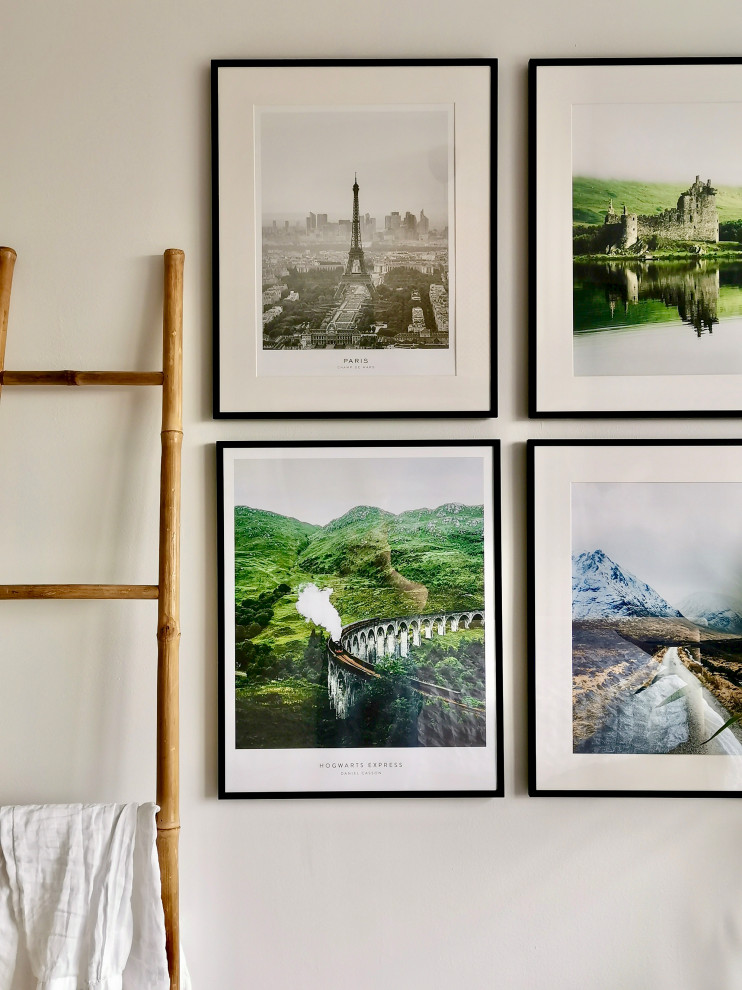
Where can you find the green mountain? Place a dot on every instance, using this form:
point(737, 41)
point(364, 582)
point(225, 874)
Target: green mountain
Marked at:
point(266, 547)
point(356, 543)
point(377, 563)
point(591, 196)
point(443, 550)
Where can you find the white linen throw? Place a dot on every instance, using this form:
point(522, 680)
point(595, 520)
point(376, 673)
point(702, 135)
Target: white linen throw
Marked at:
point(80, 901)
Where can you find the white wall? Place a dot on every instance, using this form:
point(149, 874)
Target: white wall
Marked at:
point(104, 162)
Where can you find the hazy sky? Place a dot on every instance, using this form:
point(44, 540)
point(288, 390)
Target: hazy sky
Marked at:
point(659, 142)
point(678, 538)
point(308, 158)
point(318, 490)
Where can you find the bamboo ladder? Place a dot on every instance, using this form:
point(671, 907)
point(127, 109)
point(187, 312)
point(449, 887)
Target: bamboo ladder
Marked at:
point(167, 590)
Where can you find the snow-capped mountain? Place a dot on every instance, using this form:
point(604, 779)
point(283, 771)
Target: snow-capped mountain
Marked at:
point(719, 612)
point(601, 589)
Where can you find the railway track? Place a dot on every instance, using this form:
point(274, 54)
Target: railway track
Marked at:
point(437, 691)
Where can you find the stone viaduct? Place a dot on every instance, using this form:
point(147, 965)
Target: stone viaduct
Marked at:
point(373, 639)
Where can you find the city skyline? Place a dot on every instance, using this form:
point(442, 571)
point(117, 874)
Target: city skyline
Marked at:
point(299, 219)
point(402, 157)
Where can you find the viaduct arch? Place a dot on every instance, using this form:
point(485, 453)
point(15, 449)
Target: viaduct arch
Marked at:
point(374, 639)
point(351, 661)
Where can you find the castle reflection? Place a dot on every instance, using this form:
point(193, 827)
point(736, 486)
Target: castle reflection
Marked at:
point(619, 290)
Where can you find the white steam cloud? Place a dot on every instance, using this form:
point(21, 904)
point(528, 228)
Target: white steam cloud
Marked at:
point(315, 606)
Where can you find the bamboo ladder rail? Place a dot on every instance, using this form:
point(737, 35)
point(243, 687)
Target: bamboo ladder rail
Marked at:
point(167, 590)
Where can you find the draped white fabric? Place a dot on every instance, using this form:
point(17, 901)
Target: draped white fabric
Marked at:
point(80, 901)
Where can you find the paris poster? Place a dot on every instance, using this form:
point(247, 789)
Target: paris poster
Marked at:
point(359, 622)
point(355, 270)
point(340, 220)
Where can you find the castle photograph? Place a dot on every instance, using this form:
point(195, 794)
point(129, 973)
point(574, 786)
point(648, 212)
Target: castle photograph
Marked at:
point(656, 240)
point(356, 216)
point(693, 222)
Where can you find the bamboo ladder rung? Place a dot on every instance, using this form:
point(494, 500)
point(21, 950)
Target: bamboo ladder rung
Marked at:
point(81, 591)
point(79, 378)
point(167, 591)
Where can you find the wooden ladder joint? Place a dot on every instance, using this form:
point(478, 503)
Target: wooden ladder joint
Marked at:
point(168, 827)
point(76, 379)
point(169, 630)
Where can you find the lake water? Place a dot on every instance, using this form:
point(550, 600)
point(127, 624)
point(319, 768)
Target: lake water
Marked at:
point(657, 318)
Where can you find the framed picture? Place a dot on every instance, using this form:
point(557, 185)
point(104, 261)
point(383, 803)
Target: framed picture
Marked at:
point(636, 618)
point(636, 237)
point(359, 634)
point(354, 230)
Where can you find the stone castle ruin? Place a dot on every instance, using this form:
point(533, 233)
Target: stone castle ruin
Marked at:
point(695, 218)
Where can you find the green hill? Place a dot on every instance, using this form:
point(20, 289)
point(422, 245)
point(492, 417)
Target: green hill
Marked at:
point(442, 549)
point(376, 562)
point(266, 547)
point(591, 196)
point(356, 543)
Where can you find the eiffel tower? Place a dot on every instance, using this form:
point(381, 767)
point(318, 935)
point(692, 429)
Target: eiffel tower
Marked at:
point(355, 269)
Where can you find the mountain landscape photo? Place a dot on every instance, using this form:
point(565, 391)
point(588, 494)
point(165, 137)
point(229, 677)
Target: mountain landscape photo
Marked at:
point(653, 670)
point(298, 583)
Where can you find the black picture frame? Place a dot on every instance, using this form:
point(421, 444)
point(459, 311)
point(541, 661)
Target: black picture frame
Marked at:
point(457, 768)
point(573, 711)
point(607, 376)
point(460, 377)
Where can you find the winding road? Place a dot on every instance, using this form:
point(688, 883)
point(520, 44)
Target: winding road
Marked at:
point(646, 721)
